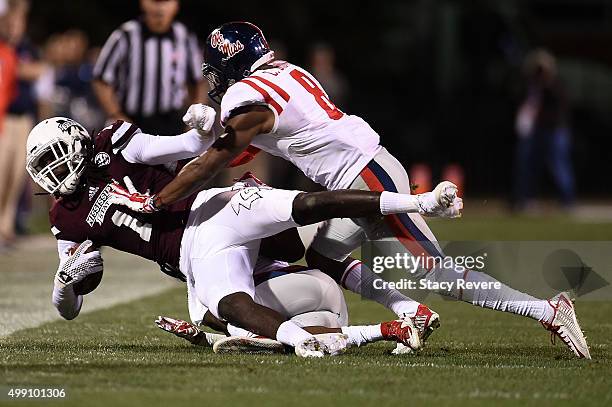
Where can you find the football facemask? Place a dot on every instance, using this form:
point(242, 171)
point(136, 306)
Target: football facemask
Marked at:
point(57, 154)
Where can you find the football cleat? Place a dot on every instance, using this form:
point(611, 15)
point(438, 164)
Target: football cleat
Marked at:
point(402, 331)
point(251, 345)
point(317, 346)
point(564, 325)
point(425, 321)
point(187, 331)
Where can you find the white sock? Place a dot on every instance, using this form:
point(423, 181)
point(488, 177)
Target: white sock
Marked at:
point(361, 335)
point(392, 202)
point(291, 334)
point(237, 331)
point(359, 279)
point(504, 299)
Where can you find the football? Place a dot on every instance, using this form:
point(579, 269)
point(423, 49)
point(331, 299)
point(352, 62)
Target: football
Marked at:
point(89, 283)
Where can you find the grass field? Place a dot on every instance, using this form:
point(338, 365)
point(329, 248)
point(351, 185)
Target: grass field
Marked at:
point(116, 356)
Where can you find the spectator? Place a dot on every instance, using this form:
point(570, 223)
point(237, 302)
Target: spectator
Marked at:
point(66, 89)
point(543, 132)
point(323, 67)
point(149, 70)
point(9, 147)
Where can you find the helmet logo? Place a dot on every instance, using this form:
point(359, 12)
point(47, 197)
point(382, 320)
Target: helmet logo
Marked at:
point(225, 47)
point(102, 159)
point(65, 125)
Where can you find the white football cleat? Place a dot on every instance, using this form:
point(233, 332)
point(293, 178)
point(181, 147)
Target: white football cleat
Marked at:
point(249, 345)
point(317, 346)
point(565, 325)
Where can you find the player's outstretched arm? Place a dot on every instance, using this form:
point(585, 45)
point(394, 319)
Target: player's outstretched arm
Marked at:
point(239, 132)
point(154, 150)
point(248, 122)
point(73, 268)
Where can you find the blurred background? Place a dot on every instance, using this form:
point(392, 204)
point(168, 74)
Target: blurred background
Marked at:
point(511, 99)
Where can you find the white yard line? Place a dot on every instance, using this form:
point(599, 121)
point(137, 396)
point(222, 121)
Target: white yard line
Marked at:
point(26, 283)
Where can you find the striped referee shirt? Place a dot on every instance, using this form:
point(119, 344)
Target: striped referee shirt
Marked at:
point(149, 71)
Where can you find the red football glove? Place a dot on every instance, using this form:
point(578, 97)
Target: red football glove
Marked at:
point(136, 201)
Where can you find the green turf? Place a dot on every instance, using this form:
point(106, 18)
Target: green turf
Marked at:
point(118, 357)
point(474, 228)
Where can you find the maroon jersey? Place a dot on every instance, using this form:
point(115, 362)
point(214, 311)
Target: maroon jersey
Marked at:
point(88, 213)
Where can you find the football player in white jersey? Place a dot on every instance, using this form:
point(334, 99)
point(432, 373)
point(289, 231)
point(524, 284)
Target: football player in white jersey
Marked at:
point(282, 109)
point(211, 240)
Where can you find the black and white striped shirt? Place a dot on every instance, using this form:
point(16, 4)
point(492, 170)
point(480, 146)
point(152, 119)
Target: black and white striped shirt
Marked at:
point(148, 71)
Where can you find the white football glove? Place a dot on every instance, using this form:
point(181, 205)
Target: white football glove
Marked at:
point(79, 265)
point(441, 202)
point(201, 118)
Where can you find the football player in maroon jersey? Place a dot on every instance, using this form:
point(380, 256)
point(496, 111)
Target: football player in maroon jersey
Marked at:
point(210, 239)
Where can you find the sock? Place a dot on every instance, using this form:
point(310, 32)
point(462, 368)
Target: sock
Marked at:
point(392, 202)
point(361, 335)
point(237, 331)
point(504, 299)
point(359, 279)
point(291, 334)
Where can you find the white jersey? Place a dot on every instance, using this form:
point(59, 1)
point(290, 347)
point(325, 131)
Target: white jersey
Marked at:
point(328, 146)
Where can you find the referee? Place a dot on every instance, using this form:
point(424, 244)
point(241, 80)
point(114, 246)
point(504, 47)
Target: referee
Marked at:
point(149, 70)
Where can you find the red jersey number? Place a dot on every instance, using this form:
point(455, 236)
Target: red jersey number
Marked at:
point(311, 87)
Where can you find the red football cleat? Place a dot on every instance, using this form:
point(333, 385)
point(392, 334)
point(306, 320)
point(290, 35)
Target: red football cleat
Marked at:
point(425, 321)
point(401, 331)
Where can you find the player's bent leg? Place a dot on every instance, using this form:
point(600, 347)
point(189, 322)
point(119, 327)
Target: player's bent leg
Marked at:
point(241, 310)
point(318, 318)
point(334, 241)
point(304, 292)
point(385, 173)
point(224, 284)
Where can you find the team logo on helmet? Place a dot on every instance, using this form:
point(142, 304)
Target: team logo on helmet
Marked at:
point(65, 125)
point(225, 47)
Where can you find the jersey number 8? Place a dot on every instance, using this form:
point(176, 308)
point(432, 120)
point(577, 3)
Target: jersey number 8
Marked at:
point(322, 99)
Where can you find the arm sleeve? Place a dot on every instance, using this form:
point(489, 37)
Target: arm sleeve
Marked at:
point(111, 55)
point(154, 150)
point(67, 303)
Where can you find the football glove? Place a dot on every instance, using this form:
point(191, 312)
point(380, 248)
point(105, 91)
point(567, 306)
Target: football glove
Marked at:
point(441, 202)
point(201, 118)
point(79, 265)
point(132, 199)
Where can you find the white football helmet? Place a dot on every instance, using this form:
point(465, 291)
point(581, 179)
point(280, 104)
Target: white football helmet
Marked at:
point(57, 154)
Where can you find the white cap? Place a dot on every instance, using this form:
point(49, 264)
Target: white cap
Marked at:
point(3, 7)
